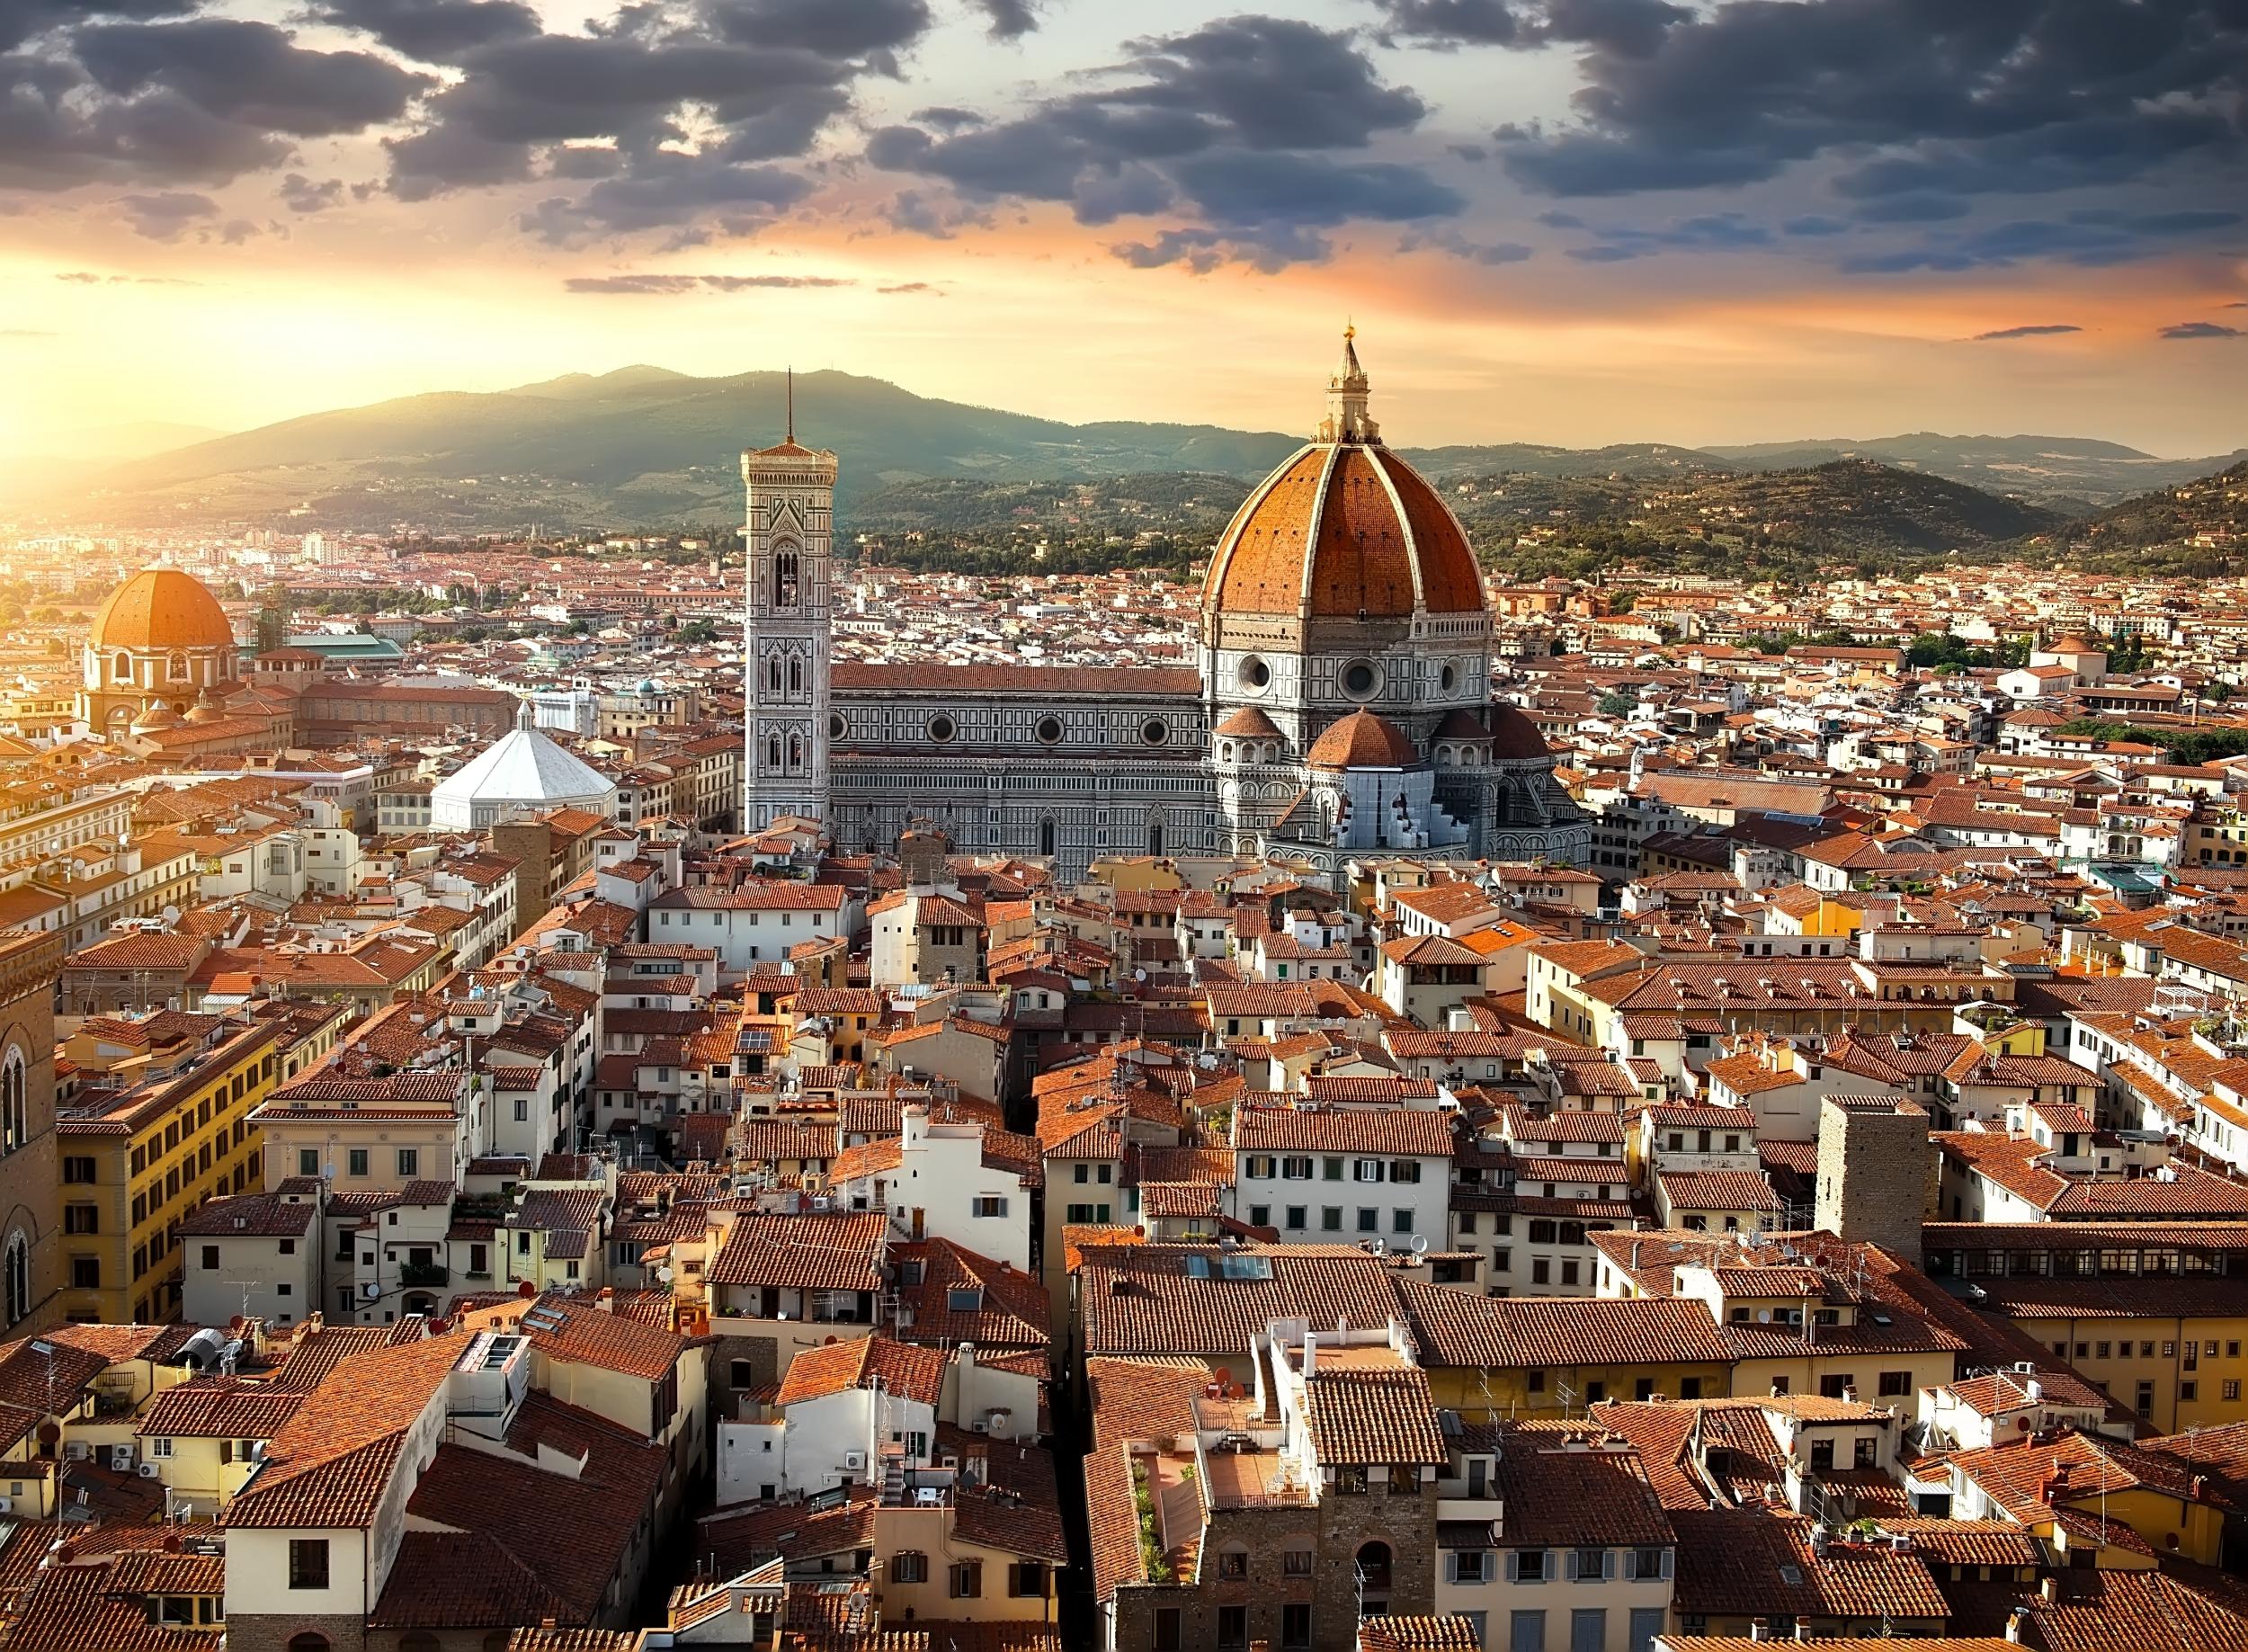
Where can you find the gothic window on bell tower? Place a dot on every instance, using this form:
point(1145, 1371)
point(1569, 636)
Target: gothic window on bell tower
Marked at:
point(784, 579)
point(796, 673)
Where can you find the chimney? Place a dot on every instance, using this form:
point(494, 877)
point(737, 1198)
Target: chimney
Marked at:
point(2016, 1620)
point(2048, 1588)
point(1311, 1355)
point(606, 1300)
point(1760, 1628)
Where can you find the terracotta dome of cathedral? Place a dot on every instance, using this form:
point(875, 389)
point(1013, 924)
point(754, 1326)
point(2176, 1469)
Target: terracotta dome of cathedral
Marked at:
point(1362, 741)
point(1345, 528)
point(161, 608)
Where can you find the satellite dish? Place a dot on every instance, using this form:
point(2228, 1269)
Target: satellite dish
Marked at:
point(171, 917)
point(1420, 1245)
point(369, 1289)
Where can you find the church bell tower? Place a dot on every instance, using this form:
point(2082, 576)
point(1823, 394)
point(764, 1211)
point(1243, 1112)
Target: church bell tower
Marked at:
point(791, 492)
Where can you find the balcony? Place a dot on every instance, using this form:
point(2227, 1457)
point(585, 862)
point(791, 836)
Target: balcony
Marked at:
point(423, 1273)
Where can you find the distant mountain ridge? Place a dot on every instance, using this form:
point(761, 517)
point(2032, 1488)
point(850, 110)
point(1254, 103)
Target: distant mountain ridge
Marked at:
point(647, 446)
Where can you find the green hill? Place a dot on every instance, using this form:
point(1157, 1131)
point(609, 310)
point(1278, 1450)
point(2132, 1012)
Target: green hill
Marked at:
point(639, 446)
point(2053, 470)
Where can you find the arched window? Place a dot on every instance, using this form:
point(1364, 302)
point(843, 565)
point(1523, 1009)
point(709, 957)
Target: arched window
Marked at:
point(1154, 837)
point(796, 754)
point(1373, 1568)
point(1227, 751)
point(784, 580)
point(14, 1123)
point(175, 667)
point(1046, 835)
point(772, 673)
point(796, 673)
point(121, 666)
point(773, 751)
point(15, 1277)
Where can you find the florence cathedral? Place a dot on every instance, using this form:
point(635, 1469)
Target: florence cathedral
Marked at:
point(1340, 706)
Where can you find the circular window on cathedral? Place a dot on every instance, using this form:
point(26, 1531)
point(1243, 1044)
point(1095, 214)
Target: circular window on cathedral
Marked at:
point(942, 729)
point(1155, 731)
point(836, 724)
point(1255, 673)
point(1448, 679)
point(1050, 730)
point(1358, 679)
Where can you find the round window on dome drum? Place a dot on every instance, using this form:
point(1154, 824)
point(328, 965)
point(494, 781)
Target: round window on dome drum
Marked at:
point(1255, 673)
point(1449, 678)
point(1358, 679)
point(1155, 731)
point(836, 726)
point(941, 729)
point(1050, 730)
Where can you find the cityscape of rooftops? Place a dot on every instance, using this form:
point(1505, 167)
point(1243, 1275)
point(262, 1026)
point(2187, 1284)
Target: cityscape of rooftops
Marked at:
point(997, 826)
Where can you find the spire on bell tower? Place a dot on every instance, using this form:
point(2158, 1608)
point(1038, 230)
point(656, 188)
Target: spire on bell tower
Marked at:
point(1347, 392)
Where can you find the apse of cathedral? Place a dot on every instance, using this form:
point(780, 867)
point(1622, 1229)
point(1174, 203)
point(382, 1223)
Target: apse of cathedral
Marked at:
point(1340, 706)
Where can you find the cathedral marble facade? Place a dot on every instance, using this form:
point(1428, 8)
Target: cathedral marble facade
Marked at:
point(1340, 707)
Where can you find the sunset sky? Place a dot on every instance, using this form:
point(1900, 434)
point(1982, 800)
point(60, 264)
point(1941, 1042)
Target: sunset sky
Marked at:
point(1577, 221)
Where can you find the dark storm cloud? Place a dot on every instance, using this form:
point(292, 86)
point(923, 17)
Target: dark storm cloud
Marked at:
point(20, 20)
point(299, 193)
point(1709, 232)
point(686, 108)
point(2201, 329)
point(2040, 330)
point(1445, 238)
point(2091, 238)
point(249, 72)
point(1231, 124)
point(1631, 27)
point(166, 217)
point(1008, 20)
point(200, 101)
point(1913, 210)
point(1938, 97)
point(433, 31)
point(836, 29)
point(667, 190)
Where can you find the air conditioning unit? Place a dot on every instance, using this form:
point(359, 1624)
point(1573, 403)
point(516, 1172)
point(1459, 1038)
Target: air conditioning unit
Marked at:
point(855, 1460)
point(78, 1451)
point(149, 1471)
point(121, 1458)
point(7, 1505)
point(979, 1425)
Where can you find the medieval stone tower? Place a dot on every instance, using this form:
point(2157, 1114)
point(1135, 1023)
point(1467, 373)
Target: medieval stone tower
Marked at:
point(789, 602)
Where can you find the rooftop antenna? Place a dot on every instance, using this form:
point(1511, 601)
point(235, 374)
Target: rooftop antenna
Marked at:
point(793, 405)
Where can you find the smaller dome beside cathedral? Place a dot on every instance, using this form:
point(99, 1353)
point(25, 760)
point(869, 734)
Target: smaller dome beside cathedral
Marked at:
point(1362, 741)
point(160, 608)
point(157, 717)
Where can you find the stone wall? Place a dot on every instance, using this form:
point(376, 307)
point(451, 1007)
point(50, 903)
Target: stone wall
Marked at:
point(1876, 1171)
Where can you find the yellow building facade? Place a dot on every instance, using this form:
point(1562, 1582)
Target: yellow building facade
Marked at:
point(138, 1156)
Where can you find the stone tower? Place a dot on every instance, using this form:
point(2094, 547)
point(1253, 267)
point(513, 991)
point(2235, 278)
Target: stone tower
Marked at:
point(788, 601)
point(1877, 1171)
